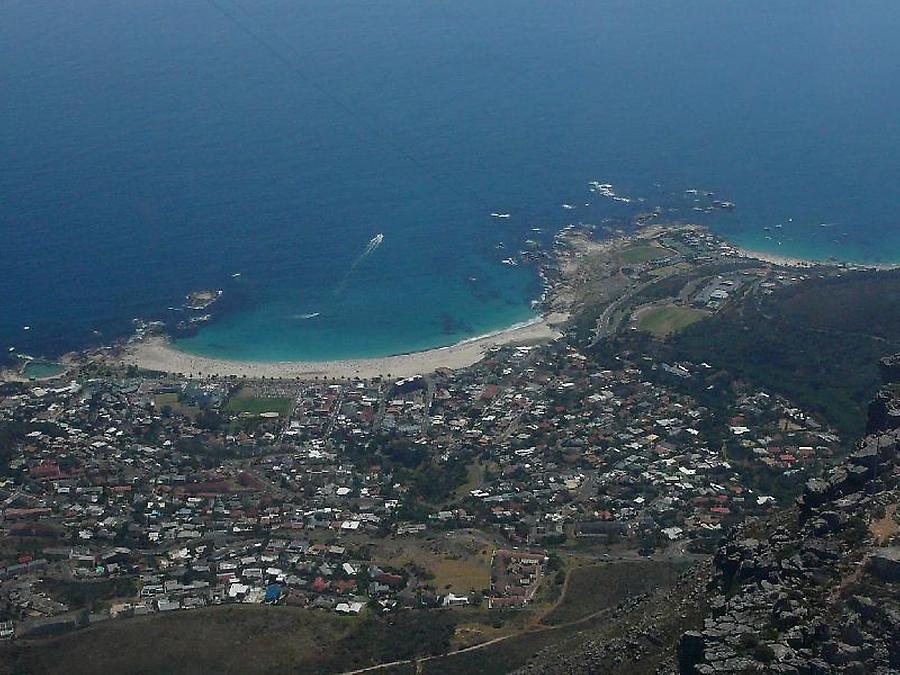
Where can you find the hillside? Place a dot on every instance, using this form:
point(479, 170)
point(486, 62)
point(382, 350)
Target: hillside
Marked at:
point(817, 343)
point(811, 589)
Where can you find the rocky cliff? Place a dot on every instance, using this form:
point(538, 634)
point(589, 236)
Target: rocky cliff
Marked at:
point(817, 589)
point(884, 411)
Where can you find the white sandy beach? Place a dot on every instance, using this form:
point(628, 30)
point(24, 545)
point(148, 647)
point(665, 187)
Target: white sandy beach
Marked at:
point(775, 259)
point(790, 261)
point(156, 353)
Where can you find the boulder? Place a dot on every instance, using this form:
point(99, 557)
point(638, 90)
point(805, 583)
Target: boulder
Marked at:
point(884, 563)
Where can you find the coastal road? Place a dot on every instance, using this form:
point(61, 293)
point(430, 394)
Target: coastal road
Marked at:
point(604, 323)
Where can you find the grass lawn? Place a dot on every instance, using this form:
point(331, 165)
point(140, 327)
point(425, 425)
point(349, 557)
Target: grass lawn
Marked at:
point(243, 402)
point(462, 575)
point(161, 400)
point(665, 320)
point(641, 253)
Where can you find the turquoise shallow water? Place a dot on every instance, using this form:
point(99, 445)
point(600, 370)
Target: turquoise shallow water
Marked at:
point(41, 369)
point(151, 148)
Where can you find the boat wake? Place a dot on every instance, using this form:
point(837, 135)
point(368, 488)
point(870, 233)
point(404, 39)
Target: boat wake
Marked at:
point(374, 243)
point(371, 247)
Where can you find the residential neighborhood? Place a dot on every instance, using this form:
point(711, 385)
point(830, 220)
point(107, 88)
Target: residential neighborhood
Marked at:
point(128, 493)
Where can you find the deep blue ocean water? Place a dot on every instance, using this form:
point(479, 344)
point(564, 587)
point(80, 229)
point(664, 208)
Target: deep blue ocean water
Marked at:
point(154, 147)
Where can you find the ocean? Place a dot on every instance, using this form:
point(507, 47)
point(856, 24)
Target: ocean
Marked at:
point(156, 147)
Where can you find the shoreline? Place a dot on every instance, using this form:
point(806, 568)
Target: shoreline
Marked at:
point(796, 261)
point(157, 353)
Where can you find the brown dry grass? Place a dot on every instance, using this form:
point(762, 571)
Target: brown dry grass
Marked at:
point(459, 564)
point(885, 528)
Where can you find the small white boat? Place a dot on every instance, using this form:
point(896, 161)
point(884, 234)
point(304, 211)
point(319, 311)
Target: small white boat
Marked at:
point(499, 215)
point(509, 261)
point(26, 327)
point(568, 207)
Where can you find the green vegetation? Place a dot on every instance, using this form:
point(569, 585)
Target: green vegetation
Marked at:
point(235, 639)
point(664, 320)
point(91, 595)
point(431, 482)
point(163, 400)
point(499, 658)
point(475, 472)
point(640, 253)
point(598, 588)
point(817, 343)
point(865, 303)
point(245, 402)
point(593, 588)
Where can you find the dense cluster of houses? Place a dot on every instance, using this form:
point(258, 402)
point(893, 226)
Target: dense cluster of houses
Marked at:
point(515, 577)
point(158, 481)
